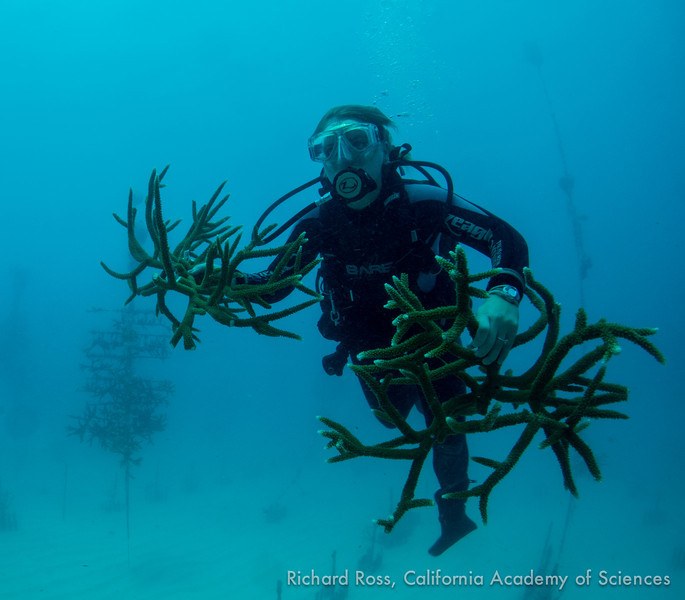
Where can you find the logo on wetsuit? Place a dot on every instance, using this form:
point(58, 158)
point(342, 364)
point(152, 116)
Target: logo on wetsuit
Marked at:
point(362, 270)
point(460, 226)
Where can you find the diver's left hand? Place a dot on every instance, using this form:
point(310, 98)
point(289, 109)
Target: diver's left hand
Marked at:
point(498, 322)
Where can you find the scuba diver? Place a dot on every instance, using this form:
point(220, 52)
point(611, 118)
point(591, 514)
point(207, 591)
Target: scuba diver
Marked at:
point(372, 223)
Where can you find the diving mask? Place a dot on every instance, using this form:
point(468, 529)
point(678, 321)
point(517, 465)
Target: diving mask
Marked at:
point(348, 140)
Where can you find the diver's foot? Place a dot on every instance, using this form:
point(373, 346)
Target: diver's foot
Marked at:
point(451, 534)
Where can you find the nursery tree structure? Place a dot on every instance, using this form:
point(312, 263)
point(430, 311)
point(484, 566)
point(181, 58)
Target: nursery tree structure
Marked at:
point(566, 181)
point(125, 411)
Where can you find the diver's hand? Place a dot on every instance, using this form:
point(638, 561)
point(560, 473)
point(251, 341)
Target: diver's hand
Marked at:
point(498, 322)
point(334, 363)
point(198, 273)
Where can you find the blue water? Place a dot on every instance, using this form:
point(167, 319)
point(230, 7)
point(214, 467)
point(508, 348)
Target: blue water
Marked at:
point(93, 96)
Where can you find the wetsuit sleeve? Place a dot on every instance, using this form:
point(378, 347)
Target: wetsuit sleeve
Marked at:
point(311, 226)
point(478, 228)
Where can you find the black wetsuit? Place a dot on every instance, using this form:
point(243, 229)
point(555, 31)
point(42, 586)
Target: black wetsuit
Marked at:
point(401, 232)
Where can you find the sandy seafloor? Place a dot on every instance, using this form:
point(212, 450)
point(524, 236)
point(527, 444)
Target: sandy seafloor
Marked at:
point(214, 541)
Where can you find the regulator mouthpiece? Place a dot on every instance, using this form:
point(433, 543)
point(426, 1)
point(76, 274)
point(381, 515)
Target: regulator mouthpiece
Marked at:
point(351, 185)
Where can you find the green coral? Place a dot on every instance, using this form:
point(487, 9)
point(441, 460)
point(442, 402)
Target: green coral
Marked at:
point(543, 399)
point(209, 252)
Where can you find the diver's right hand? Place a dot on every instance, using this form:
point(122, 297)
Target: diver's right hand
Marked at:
point(197, 273)
point(333, 364)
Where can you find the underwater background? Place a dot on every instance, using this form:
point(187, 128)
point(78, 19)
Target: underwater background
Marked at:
point(235, 492)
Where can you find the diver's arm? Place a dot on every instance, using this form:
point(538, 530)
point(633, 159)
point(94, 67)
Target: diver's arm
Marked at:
point(466, 223)
point(482, 230)
point(309, 252)
point(497, 315)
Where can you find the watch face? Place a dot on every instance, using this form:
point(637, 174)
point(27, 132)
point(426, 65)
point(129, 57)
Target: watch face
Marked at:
point(506, 292)
point(512, 291)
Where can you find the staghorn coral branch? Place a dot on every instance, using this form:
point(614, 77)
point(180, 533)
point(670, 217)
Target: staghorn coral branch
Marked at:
point(210, 249)
point(551, 396)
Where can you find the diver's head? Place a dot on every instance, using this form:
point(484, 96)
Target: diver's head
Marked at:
point(353, 143)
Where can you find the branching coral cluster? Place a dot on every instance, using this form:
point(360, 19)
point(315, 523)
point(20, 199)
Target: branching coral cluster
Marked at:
point(546, 398)
point(204, 267)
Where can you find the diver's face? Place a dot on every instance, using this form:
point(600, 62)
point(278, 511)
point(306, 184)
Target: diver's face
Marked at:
point(350, 150)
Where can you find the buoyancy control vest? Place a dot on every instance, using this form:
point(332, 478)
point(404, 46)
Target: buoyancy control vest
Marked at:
point(361, 252)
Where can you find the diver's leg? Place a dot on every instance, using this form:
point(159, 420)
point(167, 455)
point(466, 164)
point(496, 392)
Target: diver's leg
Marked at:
point(402, 397)
point(450, 463)
point(450, 459)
